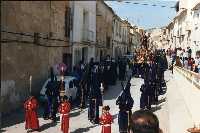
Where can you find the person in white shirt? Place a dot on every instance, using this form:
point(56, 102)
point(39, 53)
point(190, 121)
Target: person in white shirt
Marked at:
point(186, 63)
point(197, 62)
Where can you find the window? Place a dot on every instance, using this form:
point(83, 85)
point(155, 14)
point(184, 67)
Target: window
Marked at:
point(116, 28)
point(85, 20)
point(182, 38)
point(108, 42)
point(68, 22)
point(197, 15)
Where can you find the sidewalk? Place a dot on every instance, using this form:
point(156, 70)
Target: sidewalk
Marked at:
point(183, 100)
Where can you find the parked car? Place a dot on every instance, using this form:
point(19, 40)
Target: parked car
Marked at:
point(70, 87)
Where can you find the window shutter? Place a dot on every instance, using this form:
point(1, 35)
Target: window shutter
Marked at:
point(71, 19)
point(67, 22)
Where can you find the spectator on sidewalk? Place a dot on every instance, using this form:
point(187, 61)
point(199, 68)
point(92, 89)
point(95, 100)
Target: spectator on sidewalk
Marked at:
point(190, 63)
point(193, 65)
point(186, 63)
point(173, 56)
point(198, 68)
point(185, 55)
point(197, 64)
point(144, 121)
point(178, 62)
point(189, 51)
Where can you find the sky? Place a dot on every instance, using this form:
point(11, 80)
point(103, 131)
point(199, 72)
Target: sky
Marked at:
point(145, 16)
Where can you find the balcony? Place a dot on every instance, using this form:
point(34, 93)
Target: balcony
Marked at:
point(87, 35)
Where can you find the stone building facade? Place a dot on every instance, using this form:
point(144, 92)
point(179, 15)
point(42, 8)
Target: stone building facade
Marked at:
point(134, 39)
point(34, 36)
point(104, 30)
point(125, 36)
point(117, 37)
point(155, 38)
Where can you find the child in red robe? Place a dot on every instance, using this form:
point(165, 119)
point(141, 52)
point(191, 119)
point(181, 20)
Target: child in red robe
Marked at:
point(64, 110)
point(106, 120)
point(31, 118)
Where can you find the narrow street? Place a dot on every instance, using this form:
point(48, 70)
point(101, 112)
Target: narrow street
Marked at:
point(57, 54)
point(170, 110)
point(78, 119)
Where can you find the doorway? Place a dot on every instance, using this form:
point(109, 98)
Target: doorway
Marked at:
point(67, 59)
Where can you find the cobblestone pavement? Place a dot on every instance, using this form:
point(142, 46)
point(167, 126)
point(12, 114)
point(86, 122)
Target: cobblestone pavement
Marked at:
point(78, 119)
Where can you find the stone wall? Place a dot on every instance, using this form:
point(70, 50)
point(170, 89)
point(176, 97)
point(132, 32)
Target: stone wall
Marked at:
point(20, 57)
point(104, 27)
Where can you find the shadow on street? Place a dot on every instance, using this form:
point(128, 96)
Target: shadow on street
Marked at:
point(159, 105)
point(81, 130)
point(2, 131)
point(74, 114)
point(162, 100)
point(154, 109)
point(47, 125)
point(114, 90)
point(17, 117)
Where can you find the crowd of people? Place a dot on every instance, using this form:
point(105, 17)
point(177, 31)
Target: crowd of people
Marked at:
point(141, 121)
point(150, 65)
point(93, 79)
point(183, 58)
point(94, 76)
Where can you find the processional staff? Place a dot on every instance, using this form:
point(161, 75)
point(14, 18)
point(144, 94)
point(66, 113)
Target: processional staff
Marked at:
point(102, 89)
point(62, 87)
point(82, 96)
point(30, 79)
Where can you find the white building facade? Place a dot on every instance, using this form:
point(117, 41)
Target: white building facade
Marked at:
point(104, 27)
point(125, 36)
point(135, 38)
point(117, 37)
point(83, 34)
point(120, 42)
point(155, 38)
point(184, 30)
point(195, 35)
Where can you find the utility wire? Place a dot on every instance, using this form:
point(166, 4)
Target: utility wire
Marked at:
point(146, 4)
